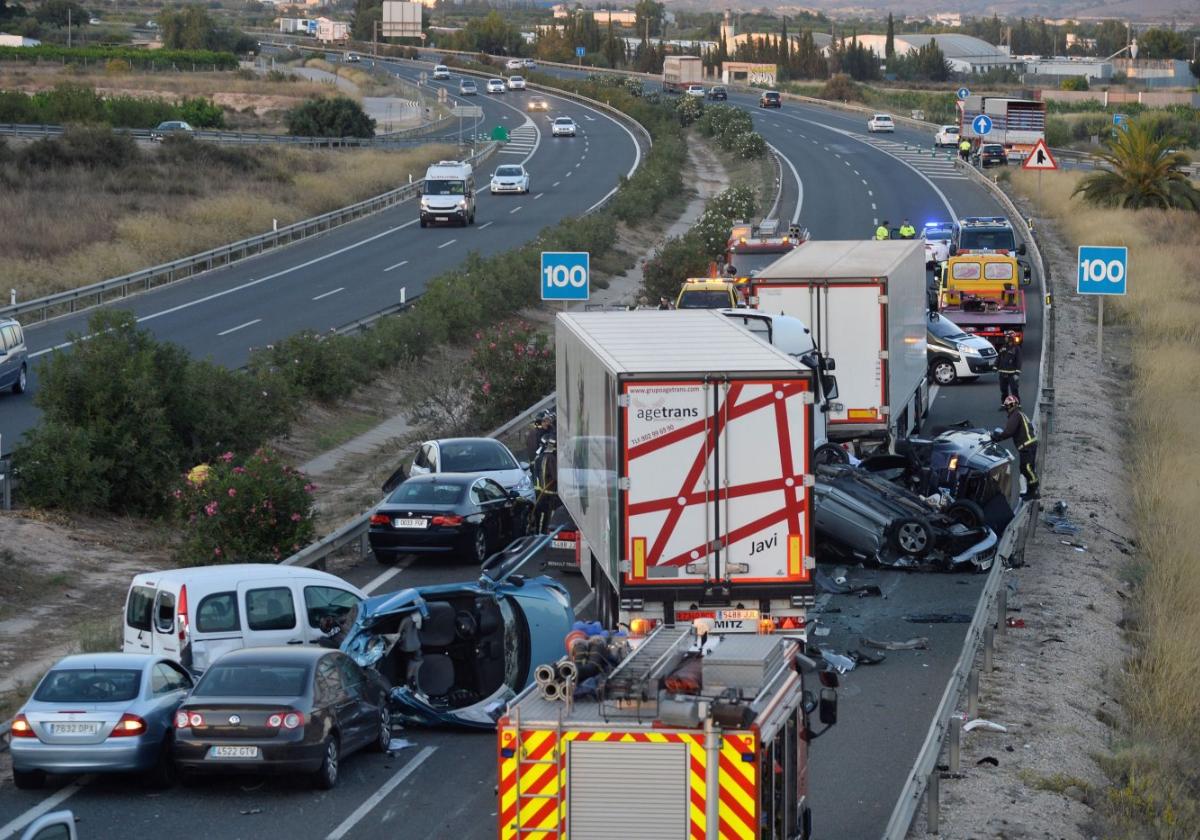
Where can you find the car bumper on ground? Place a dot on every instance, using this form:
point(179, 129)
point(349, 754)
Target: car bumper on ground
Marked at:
point(192, 756)
point(115, 755)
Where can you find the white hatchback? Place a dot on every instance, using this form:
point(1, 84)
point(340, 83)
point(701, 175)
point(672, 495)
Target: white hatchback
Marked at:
point(947, 135)
point(516, 83)
point(495, 86)
point(441, 72)
point(696, 91)
point(563, 127)
point(510, 178)
point(881, 122)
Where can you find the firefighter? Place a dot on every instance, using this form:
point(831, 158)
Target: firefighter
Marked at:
point(1009, 367)
point(1020, 429)
point(907, 231)
point(881, 232)
point(663, 303)
point(543, 425)
point(964, 149)
point(545, 485)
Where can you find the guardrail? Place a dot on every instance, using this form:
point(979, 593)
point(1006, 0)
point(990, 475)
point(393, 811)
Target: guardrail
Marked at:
point(404, 137)
point(96, 294)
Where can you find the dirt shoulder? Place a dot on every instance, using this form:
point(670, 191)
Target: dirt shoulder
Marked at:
point(1054, 681)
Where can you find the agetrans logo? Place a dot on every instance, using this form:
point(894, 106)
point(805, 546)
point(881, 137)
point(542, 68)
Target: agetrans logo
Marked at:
point(667, 413)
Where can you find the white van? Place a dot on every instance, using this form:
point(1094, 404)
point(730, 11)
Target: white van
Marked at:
point(194, 615)
point(448, 193)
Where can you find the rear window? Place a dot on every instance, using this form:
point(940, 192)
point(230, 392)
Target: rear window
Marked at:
point(705, 300)
point(998, 271)
point(996, 239)
point(428, 493)
point(164, 612)
point(253, 680)
point(965, 271)
point(218, 613)
point(89, 685)
point(140, 608)
point(476, 456)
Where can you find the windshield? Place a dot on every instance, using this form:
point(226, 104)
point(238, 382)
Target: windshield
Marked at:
point(697, 299)
point(427, 493)
point(750, 264)
point(437, 187)
point(938, 234)
point(508, 172)
point(986, 239)
point(253, 680)
point(947, 329)
point(476, 456)
point(89, 685)
point(563, 121)
point(468, 84)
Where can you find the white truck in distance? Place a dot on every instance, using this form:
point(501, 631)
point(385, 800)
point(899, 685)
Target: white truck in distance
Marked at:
point(681, 72)
point(865, 302)
point(684, 452)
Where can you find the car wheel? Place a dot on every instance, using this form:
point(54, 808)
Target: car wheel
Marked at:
point(28, 779)
point(162, 775)
point(943, 372)
point(831, 453)
point(424, 223)
point(479, 546)
point(22, 381)
point(326, 778)
point(912, 537)
point(384, 739)
point(966, 513)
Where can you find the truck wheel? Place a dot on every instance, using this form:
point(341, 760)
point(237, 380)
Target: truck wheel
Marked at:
point(912, 537)
point(943, 372)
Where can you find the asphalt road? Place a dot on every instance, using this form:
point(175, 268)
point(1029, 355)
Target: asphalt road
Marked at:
point(359, 268)
point(443, 785)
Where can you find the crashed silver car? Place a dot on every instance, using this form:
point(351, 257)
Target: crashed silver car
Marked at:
point(861, 516)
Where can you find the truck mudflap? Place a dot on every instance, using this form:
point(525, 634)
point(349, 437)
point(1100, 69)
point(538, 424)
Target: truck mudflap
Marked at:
point(534, 789)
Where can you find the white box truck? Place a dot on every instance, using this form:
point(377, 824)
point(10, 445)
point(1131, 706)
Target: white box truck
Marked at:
point(680, 72)
point(865, 303)
point(684, 459)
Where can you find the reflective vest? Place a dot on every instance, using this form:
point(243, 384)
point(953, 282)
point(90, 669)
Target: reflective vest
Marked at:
point(881, 233)
point(908, 232)
point(964, 146)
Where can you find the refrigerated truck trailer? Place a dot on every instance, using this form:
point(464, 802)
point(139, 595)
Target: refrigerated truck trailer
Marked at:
point(681, 71)
point(684, 459)
point(866, 304)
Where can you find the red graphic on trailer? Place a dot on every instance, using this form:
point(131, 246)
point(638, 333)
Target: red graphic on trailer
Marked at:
point(717, 481)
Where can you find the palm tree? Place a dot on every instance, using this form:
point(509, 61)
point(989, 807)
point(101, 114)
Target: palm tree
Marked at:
point(1143, 171)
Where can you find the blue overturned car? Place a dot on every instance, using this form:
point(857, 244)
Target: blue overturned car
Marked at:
point(457, 653)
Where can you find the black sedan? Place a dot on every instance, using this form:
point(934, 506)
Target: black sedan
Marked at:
point(991, 154)
point(282, 710)
point(466, 514)
point(718, 93)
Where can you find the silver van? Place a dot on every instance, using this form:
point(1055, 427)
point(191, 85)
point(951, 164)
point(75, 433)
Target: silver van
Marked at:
point(14, 357)
point(448, 193)
point(194, 615)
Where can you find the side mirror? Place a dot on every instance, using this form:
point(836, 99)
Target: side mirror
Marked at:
point(1021, 249)
point(829, 386)
point(523, 465)
point(1026, 276)
point(827, 707)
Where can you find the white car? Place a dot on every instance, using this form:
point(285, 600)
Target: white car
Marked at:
point(530, 64)
point(441, 72)
point(947, 135)
point(937, 237)
point(516, 83)
point(562, 127)
point(467, 455)
point(515, 64)
point(495, 86)
point(510, 178)
point(696, 91)
point(881, 122)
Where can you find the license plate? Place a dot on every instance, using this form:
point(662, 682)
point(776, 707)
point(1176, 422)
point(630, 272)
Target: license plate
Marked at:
point(74, 728)
point(411, 523)
point(568, 545)
point(233, 752)
point(736, 621)
point(443, 218)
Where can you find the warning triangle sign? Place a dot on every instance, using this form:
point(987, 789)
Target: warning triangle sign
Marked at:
point(1040, 157)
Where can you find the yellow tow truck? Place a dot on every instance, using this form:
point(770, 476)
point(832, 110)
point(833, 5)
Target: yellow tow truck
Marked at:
point(981, 293)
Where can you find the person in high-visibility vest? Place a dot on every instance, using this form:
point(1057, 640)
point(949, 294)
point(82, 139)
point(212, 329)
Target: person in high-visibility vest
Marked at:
point(907, 231)
point(964, 149)
point(1020, 429)
point(881, 232)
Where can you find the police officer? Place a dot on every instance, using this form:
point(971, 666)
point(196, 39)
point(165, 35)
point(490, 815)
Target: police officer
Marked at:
point(1020, 429)
point(907, 231)
point(964, 149)
point(1009, 367)
point(545, 485)
point(881, 232)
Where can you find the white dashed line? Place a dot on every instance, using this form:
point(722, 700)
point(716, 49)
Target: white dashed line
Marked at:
point(327, 294)
point(515, 210)
point(569, 174)
point(240, 327)
point(397, 265)
point(556, 183)
point(870, 193)
point(539, 195)
point(864, 180)
point(873, 207)
point(486, 225)
point(447, 244)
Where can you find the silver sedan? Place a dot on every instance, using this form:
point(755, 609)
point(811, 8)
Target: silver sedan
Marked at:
point(100, 713)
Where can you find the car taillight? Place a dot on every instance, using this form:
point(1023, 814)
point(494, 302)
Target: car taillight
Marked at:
point(642, 626)
point(772, 624)
point(181, 615)
point(128, 726)
point(21, 728)
point(289, 719)
point(380, 519)
point(184, 719)
point(181, 720)
point(447, 520)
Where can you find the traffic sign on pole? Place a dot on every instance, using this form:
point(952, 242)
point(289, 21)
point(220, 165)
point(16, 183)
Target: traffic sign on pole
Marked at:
point(1120, 120)
point(1103, 271)
point(565, 275)
point(982, 125)
point(963, 93)
point(1040, 157)
point(580, 52)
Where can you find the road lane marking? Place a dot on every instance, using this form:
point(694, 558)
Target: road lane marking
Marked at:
point(397, 265)
point(379, 795)
point(864, 180)
point(241, 327)
point(539, 195)
point(569, 174)
point(380, 580)
point(45, 806)
point(870, 193)
point(556, 183)
point(447, 244)
point(327, 294)
point(486, 225)
point(873, 207)
point(515, 209)
point(799, 183)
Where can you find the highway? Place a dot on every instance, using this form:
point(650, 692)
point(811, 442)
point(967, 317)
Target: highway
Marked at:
point(838, 181)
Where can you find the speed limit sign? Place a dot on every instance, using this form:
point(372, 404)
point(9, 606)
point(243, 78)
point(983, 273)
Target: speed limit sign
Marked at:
point(1103, 270)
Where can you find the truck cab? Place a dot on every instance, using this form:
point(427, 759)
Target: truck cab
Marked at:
point(751, 248)
point(707, 293)
point(981, 293)
point(448, 194)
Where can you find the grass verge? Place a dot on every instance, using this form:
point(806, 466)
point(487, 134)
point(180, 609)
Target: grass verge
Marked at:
point(1155, 766)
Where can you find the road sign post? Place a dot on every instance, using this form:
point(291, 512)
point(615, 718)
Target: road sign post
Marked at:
point(1101, 271)
point(566, 276)
point(1041, 160)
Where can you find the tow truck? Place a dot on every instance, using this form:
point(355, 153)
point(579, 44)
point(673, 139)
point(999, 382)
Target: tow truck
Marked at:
point(691, 734)
point(752, 248)
point(708, 293)
point(980, 293)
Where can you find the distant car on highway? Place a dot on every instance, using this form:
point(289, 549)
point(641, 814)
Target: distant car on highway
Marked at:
point(530, 64)
point(14, 357)
point(282, 710)
point(516, 83)
point(881, 122)
point(695, 91)
point(947, 135)
point(495, 86)
point(99, 713)
point(563, 127)
point(353, 58)
point(467, 87)
point(770, 99)
point(538, 103)
point(170, 127)
point(441, 71)
point(718, 93)
point(515, 64)
point(991, 154)
point(466, 515)
point(510, 178)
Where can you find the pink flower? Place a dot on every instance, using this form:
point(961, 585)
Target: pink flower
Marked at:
point(232, 492)
point(310, 487)
point(211, 508)
point(239, 470)
point(520, 349)
point(227, 457)
point(487, 387)
point(178, 494)
point(478, 335)
point(267, 505)
point(216, 552)
point(296, 517)
point(491, 345)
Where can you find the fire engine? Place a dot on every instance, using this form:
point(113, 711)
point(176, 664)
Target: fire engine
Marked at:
point(752, 248)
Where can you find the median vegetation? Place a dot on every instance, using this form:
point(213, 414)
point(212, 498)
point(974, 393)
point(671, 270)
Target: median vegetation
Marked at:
point(69, 102)
point(165, 59)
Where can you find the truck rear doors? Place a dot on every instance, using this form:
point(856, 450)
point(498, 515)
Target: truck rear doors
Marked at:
point(716, 477)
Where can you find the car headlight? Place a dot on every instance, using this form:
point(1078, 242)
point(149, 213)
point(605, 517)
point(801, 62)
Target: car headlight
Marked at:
point(524, 484)
point(462, 204)
point(968, 350)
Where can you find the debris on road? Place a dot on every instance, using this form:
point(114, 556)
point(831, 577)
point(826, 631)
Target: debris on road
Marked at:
point(987, 759)
point(839, 662)
point(919, 643)
point(938, 618)
point(985, 725)
point(838, 585)
point(397, 744)
point(861, 658)
point(249, 811)
point(1018, 623)
point(1061, 524)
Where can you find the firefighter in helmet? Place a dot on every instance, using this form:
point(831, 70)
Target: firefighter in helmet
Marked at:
point(1019, 429)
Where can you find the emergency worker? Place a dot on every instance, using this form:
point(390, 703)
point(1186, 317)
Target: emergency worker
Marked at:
point(881, 232)
point(545, 485)
point(907, 231)
point(1019, 429)
point(964, 149)
point(543, 425)
point(1009, 367)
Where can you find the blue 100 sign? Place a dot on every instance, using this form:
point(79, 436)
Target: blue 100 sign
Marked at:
point(1103, 270)
point(565, 275)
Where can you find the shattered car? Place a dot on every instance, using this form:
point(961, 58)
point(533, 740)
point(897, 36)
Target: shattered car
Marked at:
point(457, 653)
point(860, 515)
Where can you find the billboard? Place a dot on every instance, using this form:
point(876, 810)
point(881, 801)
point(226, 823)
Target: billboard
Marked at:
point(401, 20)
